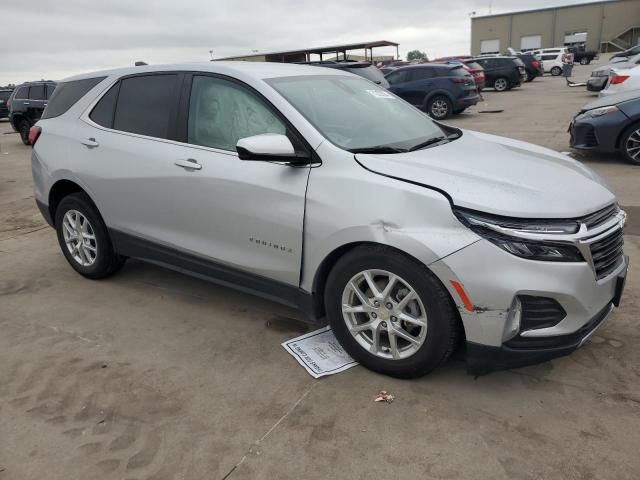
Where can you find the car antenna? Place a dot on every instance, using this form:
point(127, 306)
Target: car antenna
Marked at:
point(140, 63)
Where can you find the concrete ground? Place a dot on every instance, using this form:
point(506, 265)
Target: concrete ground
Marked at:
point(152, 374)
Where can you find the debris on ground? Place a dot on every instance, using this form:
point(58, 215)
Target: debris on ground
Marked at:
point(492, 110)
point(384, 396)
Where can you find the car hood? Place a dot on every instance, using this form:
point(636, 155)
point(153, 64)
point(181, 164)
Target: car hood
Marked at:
point(500, 176)
point(614, 99)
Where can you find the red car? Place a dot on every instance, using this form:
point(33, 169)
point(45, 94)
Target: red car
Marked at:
point(474, 68)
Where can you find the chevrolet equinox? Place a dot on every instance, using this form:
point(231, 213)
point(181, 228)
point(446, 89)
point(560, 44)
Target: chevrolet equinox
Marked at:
point(323, 191)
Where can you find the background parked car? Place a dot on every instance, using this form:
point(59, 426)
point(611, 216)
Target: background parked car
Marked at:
point(581, 55)
point(473, 67)
point(609, 125)
point(26, 105)
point(532, 65)
point(600, 76)
point(362, 69)
point(552, 59)
point(4, 97)
point(502, 73)
point(629, 52)
point(438, 89)
point(622, 81)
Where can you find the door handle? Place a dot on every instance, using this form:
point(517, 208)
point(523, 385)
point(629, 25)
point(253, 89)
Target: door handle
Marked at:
point(27, 103)
point(188, 164)
point(90, 142)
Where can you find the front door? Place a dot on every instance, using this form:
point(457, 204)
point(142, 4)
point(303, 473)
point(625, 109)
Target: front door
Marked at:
point(246, 215)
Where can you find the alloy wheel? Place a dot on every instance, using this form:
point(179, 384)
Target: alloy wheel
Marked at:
point(632, 145)
point(500, 84)
point(79, 238)
point(439, 108)
point(384, 314)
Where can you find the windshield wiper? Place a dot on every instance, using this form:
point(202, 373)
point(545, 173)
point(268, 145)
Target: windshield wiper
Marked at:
point(378, 149)
point(435, 140)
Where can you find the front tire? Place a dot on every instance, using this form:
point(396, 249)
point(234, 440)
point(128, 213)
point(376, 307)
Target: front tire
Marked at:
point(23, 129)
point(556, 71)
point(585, 61)
point(390, 313)
point(439, 107)
point(84, 239)
point(630, 144)
point(501, 84)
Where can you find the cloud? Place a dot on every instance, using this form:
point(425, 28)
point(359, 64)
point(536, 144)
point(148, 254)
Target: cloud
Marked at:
point(72, 36)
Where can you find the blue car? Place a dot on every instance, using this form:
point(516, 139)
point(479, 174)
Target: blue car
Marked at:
point(610, 124)
point(439, 89)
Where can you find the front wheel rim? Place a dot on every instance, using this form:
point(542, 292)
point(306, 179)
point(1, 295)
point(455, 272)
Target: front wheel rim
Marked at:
point(632, 145)
point(79, 238)
point(384, 314)
point(439, 108)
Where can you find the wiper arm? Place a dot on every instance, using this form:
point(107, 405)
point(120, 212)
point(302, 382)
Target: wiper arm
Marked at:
point(434, 140)
point(378, 149)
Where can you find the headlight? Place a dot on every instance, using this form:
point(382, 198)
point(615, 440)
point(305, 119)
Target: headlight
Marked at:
point(598, 112)
point(500, 231)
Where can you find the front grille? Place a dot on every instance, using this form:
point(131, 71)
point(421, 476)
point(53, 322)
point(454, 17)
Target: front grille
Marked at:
point(607, 253)
point(601, 216)
point(540, 312)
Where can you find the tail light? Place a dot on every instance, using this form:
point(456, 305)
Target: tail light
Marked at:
point(9, 104)
point(535, 63)
point(618, 79)
point(34, 134)
point(459, 80)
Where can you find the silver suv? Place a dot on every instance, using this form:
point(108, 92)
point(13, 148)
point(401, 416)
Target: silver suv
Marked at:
point(323, 191)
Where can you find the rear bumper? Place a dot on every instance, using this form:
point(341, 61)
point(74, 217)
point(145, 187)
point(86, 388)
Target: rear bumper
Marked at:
point(468, 101)
point(483, 359)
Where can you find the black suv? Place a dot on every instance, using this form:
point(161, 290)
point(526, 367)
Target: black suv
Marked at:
point(4, 98)
point(26, 104)
point(438, 89)
point(363, 69)
point(503, 73)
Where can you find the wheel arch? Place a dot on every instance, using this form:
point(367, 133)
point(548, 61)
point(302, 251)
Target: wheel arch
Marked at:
point(623, 131)
point(63, 188)
point(322, 273)
point(435, 93)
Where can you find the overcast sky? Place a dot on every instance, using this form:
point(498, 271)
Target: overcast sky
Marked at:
point(56, 38)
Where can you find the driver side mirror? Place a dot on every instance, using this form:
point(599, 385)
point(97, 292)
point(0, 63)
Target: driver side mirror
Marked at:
point(269, 147)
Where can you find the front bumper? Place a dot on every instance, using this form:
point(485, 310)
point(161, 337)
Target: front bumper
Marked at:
point(483, 359)
point(493, 279)
point(597, 133)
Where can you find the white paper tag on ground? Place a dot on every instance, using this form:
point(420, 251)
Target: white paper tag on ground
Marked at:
point(319, 353)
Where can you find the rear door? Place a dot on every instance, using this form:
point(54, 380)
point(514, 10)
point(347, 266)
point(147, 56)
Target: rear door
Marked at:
point(36, 102)
point(418, 82)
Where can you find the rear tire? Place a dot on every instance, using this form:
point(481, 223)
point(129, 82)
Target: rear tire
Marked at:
point(501, 84)
point(585, 61)
point(556, 71)
point(431, 302)
point(630, 144)
point(439, 107)
point(530, 77)
point(84, 239)
point(23, 128)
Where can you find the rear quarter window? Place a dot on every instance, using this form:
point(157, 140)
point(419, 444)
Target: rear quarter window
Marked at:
point(67, 94)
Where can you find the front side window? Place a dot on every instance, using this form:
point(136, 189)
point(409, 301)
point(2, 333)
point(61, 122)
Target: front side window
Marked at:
point(355, 114)
point(222, 112)
point(399, 76)
point(22, 93)
point(36, 92)
point(145, 105)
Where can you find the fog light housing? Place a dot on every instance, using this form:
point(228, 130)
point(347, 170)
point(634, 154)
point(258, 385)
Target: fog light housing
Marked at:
point(512, 325)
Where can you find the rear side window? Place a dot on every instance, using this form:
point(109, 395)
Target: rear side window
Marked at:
point(423, 73)
point(145, 105)
point(66, 94)
point(551, 56)
point(5, 95)
point(36, 92)
point(104, 110)
point(50, 89)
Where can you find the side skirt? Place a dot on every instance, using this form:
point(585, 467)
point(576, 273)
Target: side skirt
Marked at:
point(136, 247)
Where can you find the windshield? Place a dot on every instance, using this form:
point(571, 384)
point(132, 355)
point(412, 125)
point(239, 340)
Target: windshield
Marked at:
point(357, 115)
